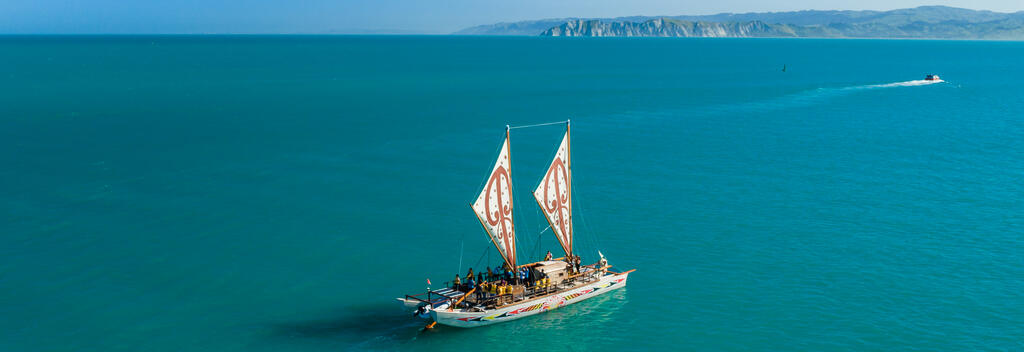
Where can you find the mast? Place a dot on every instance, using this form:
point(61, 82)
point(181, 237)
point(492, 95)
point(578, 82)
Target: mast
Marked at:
point(568, 180)
point(493, 207)
point(554, 195)
point(511, 207)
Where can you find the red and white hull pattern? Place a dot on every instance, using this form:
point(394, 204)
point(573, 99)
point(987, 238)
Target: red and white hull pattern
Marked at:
point(539, 305)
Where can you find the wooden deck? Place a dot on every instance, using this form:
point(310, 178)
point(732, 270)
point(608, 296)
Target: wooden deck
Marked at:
point(522, 293)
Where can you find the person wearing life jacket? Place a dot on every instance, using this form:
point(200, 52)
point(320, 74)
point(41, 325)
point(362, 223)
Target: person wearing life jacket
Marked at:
point(548, 256)
point(457, 284)
point(473, 284)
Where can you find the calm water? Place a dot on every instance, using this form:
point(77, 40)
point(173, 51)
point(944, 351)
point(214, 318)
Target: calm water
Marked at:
point(277, 193)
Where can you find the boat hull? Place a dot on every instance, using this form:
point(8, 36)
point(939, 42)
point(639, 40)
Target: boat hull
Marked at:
point(531, 307)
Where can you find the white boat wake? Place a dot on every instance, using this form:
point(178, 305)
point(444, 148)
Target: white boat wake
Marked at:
point(919, 82)
point(808, 97)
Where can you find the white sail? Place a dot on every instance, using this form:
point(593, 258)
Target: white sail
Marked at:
point(555, 197)
point(494, 206)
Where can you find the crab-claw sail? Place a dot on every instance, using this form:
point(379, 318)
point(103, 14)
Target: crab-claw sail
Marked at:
point(554, 195)
point(493, 207)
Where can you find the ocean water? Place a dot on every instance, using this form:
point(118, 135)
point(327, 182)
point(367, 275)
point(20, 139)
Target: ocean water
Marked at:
point(276, 193)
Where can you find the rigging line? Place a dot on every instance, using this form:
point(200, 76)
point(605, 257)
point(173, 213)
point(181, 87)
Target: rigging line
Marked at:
point(541, 232)
point(539, 224)
point(486, 252)
point(537, 214)
point(515, 205)
point(536, 217)
point(523, 219)
point(539, 124)
point(536, 249)
point(461, 247)
point(592, 235)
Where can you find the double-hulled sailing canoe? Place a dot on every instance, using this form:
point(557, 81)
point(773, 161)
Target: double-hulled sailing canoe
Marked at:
point(534, 287)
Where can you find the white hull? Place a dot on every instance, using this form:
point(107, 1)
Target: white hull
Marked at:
point(464, 319)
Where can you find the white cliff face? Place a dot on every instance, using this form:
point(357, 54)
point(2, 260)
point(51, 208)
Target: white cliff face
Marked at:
point(935, 22)
point(667, 28)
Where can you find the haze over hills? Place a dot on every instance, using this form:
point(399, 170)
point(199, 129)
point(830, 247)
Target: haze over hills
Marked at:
point(938, 22)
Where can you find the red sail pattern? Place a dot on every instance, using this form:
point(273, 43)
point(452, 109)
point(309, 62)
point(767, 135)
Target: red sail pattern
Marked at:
point(554, 196)
point(494, 207)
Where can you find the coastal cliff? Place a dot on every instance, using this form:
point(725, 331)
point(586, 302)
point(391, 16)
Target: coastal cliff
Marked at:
point(666, 27)
point(938, 22)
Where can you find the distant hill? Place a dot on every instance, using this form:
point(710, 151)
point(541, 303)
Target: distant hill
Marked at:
point(514, 28)
point(939, 22)
point(667, 27)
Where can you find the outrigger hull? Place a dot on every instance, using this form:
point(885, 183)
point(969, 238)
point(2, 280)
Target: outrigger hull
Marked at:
point(470, 319)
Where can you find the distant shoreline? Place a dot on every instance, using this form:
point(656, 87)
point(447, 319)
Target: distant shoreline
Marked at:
point(162, 35)
point(924, 22)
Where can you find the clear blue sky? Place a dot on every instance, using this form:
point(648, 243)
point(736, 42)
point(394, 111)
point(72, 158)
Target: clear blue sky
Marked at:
point(380, 16)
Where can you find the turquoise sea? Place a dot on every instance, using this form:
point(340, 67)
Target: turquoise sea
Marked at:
point(276, 193)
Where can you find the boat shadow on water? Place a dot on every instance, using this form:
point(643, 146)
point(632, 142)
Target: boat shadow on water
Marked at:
point(379, 324)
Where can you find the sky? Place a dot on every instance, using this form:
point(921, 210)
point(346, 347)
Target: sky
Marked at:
point(380, 16)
